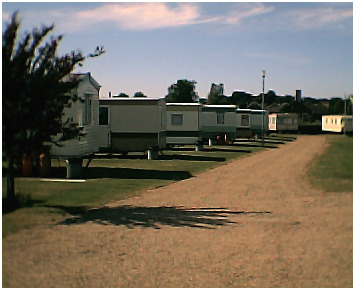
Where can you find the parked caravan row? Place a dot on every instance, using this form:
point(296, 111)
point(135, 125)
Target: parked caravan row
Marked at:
point(146, 124)
point(122, 125)
point(337, 123)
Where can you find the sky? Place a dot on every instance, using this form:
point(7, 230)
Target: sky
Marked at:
point(150, 45)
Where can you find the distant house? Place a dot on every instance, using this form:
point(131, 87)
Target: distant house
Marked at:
point(337, 123)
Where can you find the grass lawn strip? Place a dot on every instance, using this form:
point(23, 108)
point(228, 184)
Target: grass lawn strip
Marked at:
point(333, 170)
point(112, 179)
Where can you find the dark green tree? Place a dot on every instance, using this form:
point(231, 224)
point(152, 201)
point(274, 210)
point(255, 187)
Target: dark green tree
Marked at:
point(216, 94)
point(241, 99)
point(122, 95)
point(139, 95)
point(182, 92)
point(336, 106)
point(36, 89)
point(270, 97)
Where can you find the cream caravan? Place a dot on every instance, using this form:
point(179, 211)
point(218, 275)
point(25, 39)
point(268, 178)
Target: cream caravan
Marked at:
point(337, 123)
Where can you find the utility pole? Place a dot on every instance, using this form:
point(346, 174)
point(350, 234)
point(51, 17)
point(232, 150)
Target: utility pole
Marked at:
point(263, 102)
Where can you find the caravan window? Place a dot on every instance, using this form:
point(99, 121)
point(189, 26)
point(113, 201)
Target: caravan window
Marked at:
point(245, 120)
point(103, 115)
point(220, 118)
point(177, 119)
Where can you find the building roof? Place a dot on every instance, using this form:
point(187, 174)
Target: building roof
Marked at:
point(87, 76)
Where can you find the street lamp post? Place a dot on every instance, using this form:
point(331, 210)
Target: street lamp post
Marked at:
point(262, 106)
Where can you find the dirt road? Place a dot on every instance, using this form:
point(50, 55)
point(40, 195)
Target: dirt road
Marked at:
point(251, 223)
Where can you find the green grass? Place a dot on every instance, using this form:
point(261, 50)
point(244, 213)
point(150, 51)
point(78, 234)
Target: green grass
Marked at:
point(109, 179)
point(333, 170)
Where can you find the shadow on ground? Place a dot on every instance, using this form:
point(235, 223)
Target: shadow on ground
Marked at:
point(255, 145)
point(125, 173)
point(131, 173)
point(156, 217)
point(192, 157)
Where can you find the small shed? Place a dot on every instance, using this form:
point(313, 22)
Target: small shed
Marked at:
point(218, 121)
point(337, 123)
point(183, 124)
point(283, 122)
point(132, 124)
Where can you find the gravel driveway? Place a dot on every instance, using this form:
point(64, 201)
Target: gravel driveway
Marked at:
point(254, 222)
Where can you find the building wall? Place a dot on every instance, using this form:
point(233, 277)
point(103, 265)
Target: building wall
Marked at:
point(337, 123)
point(89, 143)
point(256, 118)
point(135, 124)
point(188, 131)
point(209, 121)
point(283, 122)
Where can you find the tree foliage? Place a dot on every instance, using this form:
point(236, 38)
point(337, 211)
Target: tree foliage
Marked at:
point(139, 94)
point(182, 92)
point(36, 89)
point(216, 94)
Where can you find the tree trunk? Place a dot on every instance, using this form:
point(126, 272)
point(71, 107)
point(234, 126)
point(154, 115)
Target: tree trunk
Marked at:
point(11, 200)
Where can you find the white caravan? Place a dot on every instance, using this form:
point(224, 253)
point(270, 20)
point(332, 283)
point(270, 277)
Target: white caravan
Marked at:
point(133, 125)
point(218, 121)
point(283, 122)
point(183, 124)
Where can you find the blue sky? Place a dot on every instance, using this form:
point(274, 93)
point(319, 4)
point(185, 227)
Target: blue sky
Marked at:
point(149, 46)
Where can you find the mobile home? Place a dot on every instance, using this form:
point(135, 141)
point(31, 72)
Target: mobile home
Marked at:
point(243, 123)
point(283, 122)
point(259, 122)
point(83, 113)
point(218, 120)
point(337, 123)
point(132, 124)
point(183, 124)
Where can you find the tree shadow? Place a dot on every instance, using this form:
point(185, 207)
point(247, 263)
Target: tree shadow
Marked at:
point(22, 201)
point(124, 173)
point(226, 149)
point(156, 217)
point(131, 173)
point(254, 145)
point(192, 158)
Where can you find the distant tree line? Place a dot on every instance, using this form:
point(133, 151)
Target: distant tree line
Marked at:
point(310, 109)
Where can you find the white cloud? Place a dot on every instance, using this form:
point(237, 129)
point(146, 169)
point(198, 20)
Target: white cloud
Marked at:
point(143, 16)
point(156, 15)
point(319, 17)
point(247, 10)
